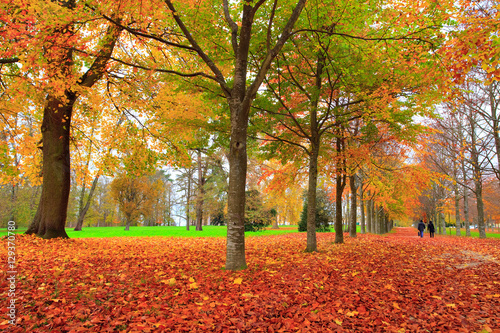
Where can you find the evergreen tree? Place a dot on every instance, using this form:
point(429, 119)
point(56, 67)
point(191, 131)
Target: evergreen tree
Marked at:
point(324, 212)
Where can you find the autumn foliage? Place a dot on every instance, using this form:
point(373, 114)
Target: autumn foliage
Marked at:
point(392, 283)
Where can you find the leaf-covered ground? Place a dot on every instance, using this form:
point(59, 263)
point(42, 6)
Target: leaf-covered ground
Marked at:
point(392, 283)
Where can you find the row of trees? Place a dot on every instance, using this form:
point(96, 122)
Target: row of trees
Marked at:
point(333, 86)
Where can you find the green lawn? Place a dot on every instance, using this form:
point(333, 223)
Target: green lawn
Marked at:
point(208, 231)
point(473, 233)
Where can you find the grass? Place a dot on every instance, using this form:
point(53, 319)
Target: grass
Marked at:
point(208, 231)
point(474, 233)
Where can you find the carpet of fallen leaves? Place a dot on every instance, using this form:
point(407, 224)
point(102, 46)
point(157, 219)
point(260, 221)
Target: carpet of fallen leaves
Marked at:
point(392, 283)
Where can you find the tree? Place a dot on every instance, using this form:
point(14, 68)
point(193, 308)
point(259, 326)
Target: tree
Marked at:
point(207, 46)
point(324, 212)
point(52, 59)
point(257, 217)
point(135, 195)
point(333, 80)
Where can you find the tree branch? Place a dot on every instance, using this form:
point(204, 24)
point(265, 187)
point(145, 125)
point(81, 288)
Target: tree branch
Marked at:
point(218, 74)
point(9, 60)
point(234, 28)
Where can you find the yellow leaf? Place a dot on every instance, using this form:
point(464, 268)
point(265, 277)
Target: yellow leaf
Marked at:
point(396, 306)
point(338, 322)
point(238, 281)
point(437, 297)
point(451, 305)
point(193, 285)
point(170, 282)
point(351, 314)
point(191, 280)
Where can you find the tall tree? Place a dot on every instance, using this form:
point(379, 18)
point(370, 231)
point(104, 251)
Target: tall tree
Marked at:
point(210, 47)
point(52, 39)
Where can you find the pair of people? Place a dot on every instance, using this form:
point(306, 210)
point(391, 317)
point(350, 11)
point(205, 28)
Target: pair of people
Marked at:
point(421, 228)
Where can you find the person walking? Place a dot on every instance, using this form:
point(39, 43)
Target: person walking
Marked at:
point(421, 228)
point(431, 229)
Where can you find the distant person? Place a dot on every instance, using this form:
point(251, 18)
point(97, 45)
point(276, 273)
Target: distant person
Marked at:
point(421, 228)
point(431, 229)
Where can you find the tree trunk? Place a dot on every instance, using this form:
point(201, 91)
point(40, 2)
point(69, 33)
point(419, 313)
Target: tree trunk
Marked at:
point(201, 192)
point(188, 197)
point(362, 207)
point(477, 181)
point(480, 207)
point(457, 211)
point(235, 249)
point(83, 212)
point(466, 212)
point(441, 222)
point(346, 217)
point(275, 223)
point(374, 216)
point(495, 124)
point(354, 206)
point(369, 215)
point(13, 199)
point(340, 184)
point(313, 159)
point(127, 225)
point(311, 200)
point(50, 218)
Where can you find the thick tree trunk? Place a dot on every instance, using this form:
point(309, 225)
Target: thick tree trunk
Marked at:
point(354, 206)
point(340, 184)
point(235, 249)
point(50, 218)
